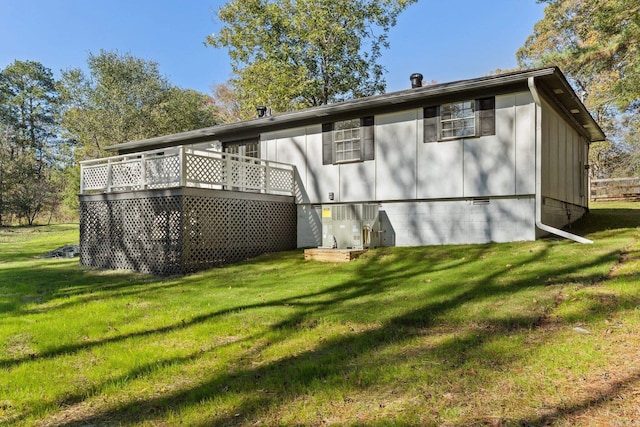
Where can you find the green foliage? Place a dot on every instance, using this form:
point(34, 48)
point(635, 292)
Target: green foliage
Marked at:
point(290, 54)
point(597, 44)
point(31, 150)
point(124, 99)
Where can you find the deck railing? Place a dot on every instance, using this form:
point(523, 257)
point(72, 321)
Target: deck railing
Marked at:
point(186, 167)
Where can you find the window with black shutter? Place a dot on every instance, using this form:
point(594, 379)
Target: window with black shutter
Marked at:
point(348, 141)
point(462, 119)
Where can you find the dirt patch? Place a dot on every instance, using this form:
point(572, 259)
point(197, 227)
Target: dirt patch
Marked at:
point(19, 346)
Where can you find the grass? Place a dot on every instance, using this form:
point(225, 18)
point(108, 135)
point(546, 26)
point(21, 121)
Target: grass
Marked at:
point(529, 333)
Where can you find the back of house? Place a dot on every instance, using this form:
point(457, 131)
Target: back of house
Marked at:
point(498, 158)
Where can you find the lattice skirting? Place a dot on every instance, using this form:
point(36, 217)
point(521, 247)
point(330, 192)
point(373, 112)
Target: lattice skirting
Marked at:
point(184, 230)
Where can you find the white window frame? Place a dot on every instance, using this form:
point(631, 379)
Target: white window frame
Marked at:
point(245, 148)
point(347, 141)
point(458, 120)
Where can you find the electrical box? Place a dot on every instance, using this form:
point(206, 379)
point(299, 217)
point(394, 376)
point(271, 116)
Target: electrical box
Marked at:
point(352, 226)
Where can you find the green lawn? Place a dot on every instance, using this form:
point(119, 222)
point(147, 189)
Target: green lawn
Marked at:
point(530, 333)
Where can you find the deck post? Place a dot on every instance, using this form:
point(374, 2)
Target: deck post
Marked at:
point(267, 177)
point(227, 171)
point(82, 172)
point(109, 176)
point(182, 155)
point(293, 180)
point(143, 171)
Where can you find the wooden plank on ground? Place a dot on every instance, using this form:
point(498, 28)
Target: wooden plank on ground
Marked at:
point(332, 255)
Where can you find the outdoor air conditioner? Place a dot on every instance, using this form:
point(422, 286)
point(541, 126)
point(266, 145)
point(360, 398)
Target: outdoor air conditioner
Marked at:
point(352, 226)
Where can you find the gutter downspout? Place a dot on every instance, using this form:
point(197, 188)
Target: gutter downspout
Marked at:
point(538, 200)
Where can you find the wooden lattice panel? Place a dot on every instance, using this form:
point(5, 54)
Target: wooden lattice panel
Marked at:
point(95, 177)
point(205, 169)
point(162, 172)
point(247, 175)
point(141, 234)
point(181, 233)
point(219, 231)
point(126, 174)
point(280, 179)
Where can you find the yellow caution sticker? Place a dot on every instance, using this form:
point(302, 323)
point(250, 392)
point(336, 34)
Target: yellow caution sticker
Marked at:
point(326, 212)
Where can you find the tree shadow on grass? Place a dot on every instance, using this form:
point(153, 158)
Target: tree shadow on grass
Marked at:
point(313, 302)
point(40, 284)
point(603, 219)
point(333, 360)
point(572, 409)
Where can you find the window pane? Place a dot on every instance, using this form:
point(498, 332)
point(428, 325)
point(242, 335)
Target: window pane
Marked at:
point(346, 137)
point(458, 119)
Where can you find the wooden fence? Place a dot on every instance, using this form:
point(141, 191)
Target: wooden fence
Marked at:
point(615, 189)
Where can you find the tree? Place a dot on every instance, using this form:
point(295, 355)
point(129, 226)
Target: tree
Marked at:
point(229, 104)
point(290, 54)
point(30, 146)
point(590, 38)
point(124, 99)
point(596, 43)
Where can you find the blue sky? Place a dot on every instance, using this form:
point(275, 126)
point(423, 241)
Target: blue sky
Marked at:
point(443, 40)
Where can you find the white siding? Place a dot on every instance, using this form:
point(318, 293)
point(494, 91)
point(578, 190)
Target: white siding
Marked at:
point(563, 158)
point(425, 190)
point(440, 169)
point(525, 144)
point(406, 168)
point(395, 141)
point(321, 179)
point(357, 181)
point(490, 161)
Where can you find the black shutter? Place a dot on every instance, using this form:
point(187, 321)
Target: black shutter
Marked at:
point(486, 108)
point(327, 143)
point(366, 123)
point(431, 119)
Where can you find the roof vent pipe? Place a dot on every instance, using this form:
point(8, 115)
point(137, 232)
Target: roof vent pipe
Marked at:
point(262, 110)
point(416, 80)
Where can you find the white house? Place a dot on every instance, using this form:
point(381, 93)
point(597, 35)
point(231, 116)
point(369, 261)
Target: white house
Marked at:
point(498, 158)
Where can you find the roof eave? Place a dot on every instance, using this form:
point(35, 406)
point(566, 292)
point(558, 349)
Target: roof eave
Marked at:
point(407, 96)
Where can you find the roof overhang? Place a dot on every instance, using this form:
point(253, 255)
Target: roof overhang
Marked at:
point(552, 80)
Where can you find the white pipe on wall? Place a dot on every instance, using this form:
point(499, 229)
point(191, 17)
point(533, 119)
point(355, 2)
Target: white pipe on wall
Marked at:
point(538, 140)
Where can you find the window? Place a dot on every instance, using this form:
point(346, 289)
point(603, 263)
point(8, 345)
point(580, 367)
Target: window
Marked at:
point(247, 148)
point(463, 119)
point(458, 120)
point(348, 141)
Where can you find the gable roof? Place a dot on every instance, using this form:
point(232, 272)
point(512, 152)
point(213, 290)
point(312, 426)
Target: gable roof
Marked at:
point(551, 80)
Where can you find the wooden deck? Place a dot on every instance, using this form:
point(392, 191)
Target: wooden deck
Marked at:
point(332, 255)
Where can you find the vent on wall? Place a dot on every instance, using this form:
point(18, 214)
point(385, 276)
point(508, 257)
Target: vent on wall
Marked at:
point(482, 201)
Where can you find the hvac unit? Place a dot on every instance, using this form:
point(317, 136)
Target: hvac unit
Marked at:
point(353, 226)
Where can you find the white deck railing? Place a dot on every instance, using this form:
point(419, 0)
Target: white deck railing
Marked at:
point(186, 167)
